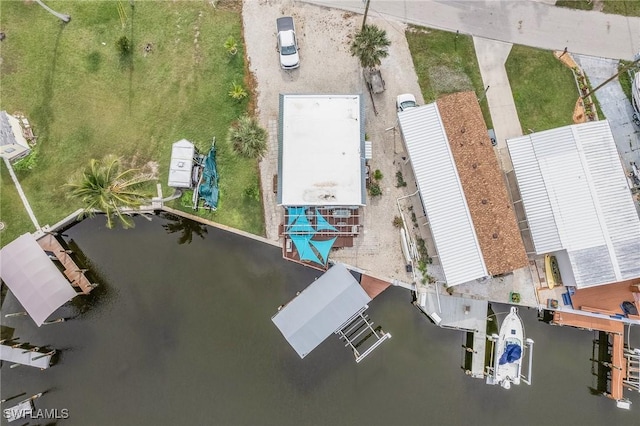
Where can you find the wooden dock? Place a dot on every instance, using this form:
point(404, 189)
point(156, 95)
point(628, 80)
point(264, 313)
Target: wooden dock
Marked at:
point(616, 330)
point(373, 286)
point(72, 271)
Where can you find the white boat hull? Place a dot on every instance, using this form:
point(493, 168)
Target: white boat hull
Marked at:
point(511, 333)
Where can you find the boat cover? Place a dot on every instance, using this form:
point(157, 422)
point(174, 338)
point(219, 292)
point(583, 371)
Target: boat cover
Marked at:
point(208, 189)
point(512, 352)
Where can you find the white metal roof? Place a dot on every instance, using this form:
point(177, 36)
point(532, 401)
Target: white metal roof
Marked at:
point(33, 278)
point(442, 195)
point(319, 310)
point(321, 155)
point(576, 197)
point(181, 164)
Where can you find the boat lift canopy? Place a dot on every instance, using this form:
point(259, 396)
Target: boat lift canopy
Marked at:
point(33, 278)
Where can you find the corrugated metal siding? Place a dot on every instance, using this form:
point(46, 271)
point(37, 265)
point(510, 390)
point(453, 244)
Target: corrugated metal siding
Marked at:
point(610, 186)
point(571, 180)
point(442, 195)
point(544, 231)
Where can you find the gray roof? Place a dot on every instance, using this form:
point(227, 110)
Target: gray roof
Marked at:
point(33, 278)
point(6, 132)
point(320, 309)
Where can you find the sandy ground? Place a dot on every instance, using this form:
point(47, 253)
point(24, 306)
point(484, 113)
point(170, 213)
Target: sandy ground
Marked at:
point(327, 67)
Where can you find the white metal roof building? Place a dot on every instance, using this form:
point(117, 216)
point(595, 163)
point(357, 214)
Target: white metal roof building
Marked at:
point(33, 278)
point(320, 310)
point(578, 203)
point(321, 156)
point(181, 168)
point(442, 195)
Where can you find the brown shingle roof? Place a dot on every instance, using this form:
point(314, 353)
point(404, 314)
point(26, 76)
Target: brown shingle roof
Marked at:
point(484, 187)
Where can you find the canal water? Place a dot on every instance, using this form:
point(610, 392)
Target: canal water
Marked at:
point(181, 333)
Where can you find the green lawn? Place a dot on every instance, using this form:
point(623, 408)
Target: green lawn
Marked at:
point(543, 89)
point(445, 63)
point(626, 77)
point(622, 7)
point(16, 220)
point(85, 102)
point(576, 4)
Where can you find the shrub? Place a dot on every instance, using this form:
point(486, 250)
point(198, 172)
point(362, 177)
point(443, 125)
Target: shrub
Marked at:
point(374, 190)
point(247, 137)
point(377, 175)
point(397, 222)
point(237, 92)
point(400, 180)
point(124, 46)
point(231, 45)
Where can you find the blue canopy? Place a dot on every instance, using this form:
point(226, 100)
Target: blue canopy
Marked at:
point(304, 249)
point(323, 248)
point(512, 352)
point(293, 213)
point(322, 224)
point(208, 188)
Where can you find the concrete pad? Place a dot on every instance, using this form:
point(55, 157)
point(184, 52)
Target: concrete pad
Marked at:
point(615, 106)
point(492, 56)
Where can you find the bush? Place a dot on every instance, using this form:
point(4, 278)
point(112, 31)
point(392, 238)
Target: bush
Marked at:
point(377, 175)
point(26, 163)
point(247, 137)
point(124, 46)
point(231, 45)
point(237, 92)
point(397, 222)
point(400, 180)
point(374, 190)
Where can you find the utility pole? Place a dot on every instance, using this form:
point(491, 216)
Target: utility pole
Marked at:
point(366, 11)
point(623, 69)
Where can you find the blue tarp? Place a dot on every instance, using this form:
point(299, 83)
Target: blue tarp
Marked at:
point(512, 352)
point(208, 188)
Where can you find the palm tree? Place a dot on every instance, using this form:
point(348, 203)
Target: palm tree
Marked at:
point(102, 187)
point(247, 137)
point(370, 46)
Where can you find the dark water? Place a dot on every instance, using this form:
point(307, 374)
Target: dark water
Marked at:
point(181, 334)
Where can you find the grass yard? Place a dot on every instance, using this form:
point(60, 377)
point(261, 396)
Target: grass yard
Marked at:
point(622, 7)
point(543, 89)
point(84, 101)
point(576, 4)
point(626, 78)
point(445, 63)
point(16, 219)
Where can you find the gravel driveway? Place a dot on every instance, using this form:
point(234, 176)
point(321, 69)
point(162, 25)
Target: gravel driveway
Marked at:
point(327, 67)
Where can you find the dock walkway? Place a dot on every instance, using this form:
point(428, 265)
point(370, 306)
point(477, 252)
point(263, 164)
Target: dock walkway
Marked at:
point(74, 274)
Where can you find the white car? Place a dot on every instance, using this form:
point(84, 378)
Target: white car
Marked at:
point(287, 43)
point(406, 101)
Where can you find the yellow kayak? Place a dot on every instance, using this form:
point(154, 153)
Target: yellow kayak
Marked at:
point(551, 271)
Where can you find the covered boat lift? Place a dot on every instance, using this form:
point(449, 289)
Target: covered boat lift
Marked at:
point(334, 303)
point(33, 278)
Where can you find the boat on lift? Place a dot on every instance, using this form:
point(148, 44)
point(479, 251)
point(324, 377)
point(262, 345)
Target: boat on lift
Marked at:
point(508, 353)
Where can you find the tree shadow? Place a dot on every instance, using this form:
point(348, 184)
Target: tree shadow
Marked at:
point(43, 113)
point(186, 227)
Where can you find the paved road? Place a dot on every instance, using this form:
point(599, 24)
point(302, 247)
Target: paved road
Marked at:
point(530, 23)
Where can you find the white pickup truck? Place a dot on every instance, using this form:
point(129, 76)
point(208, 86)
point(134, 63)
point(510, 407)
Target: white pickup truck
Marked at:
point(287, 43)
